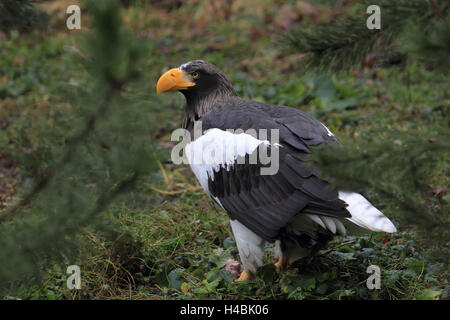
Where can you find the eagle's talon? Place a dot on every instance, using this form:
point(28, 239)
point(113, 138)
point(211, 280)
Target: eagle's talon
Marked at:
point(245, 275)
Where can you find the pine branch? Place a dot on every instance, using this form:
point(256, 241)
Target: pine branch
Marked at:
point(396, 166)
point(73, 145)
point(345, 42)
point(437, 9)
point(22, 15)
point(84, 177)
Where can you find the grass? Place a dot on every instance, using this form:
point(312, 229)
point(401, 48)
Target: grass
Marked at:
point(168, 240)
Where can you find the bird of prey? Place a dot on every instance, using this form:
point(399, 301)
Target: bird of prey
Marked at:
point(293, 206)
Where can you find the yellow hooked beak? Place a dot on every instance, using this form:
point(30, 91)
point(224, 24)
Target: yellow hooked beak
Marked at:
point(172, 80)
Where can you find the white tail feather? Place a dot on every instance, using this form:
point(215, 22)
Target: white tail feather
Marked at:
point(364, 214)
point(317, 220)
point(329, 223)
point(340, 227)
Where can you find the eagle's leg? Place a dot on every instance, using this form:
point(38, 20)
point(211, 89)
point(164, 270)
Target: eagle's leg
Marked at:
point(282, 263)
point(250, 247)
point(246, 275)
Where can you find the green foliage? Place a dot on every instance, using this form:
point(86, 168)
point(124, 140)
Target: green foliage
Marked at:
point(74, 180)
point(428, 44)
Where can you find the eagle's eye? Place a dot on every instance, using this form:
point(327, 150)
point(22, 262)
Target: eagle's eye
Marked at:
point(195, 75)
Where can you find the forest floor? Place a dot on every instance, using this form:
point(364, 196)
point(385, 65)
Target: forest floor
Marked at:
point(173, 243)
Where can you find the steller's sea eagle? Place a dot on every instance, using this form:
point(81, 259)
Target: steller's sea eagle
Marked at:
point(292, 207)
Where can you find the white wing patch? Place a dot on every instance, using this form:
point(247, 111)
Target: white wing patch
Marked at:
point(218, 149)
point(364, 214)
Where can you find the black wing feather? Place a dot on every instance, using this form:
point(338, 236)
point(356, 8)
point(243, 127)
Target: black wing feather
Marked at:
point(267, 203)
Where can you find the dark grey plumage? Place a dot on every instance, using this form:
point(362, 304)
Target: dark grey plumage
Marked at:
point(263, 203)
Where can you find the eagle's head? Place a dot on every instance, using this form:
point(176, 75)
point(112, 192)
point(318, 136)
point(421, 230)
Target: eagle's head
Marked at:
point(196, 79)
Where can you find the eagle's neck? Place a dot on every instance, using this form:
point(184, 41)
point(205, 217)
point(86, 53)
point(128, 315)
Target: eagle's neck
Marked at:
point(197, 105)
